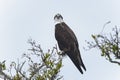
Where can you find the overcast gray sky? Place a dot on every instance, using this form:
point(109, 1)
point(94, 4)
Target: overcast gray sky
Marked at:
point(22, 19)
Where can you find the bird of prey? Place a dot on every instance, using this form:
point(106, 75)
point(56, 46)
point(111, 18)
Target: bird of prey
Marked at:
point(67, 42)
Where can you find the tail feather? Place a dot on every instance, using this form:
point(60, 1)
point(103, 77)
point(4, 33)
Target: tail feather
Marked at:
point(81, 62)
point(76, 59)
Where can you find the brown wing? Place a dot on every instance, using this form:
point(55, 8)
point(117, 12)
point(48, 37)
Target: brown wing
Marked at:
point(71, 33)
point(62, 36)
point(68, 43)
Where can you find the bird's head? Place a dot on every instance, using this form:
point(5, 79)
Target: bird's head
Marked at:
point(58, 18)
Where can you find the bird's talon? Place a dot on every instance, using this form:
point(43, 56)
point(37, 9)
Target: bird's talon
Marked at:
point(61, 53)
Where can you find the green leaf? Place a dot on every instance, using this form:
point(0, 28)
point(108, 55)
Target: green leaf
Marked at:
point(93, 36)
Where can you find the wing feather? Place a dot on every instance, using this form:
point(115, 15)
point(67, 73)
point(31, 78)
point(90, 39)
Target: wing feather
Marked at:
point(67, 40)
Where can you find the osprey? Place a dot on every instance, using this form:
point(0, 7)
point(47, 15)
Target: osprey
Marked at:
point(67, 42)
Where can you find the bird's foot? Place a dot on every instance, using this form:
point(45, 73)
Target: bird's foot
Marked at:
point(62, 53)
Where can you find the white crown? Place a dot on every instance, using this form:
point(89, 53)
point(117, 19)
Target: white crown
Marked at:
point(58, 18)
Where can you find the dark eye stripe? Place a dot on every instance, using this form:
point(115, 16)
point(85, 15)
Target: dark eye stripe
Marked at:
point(58, 16)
